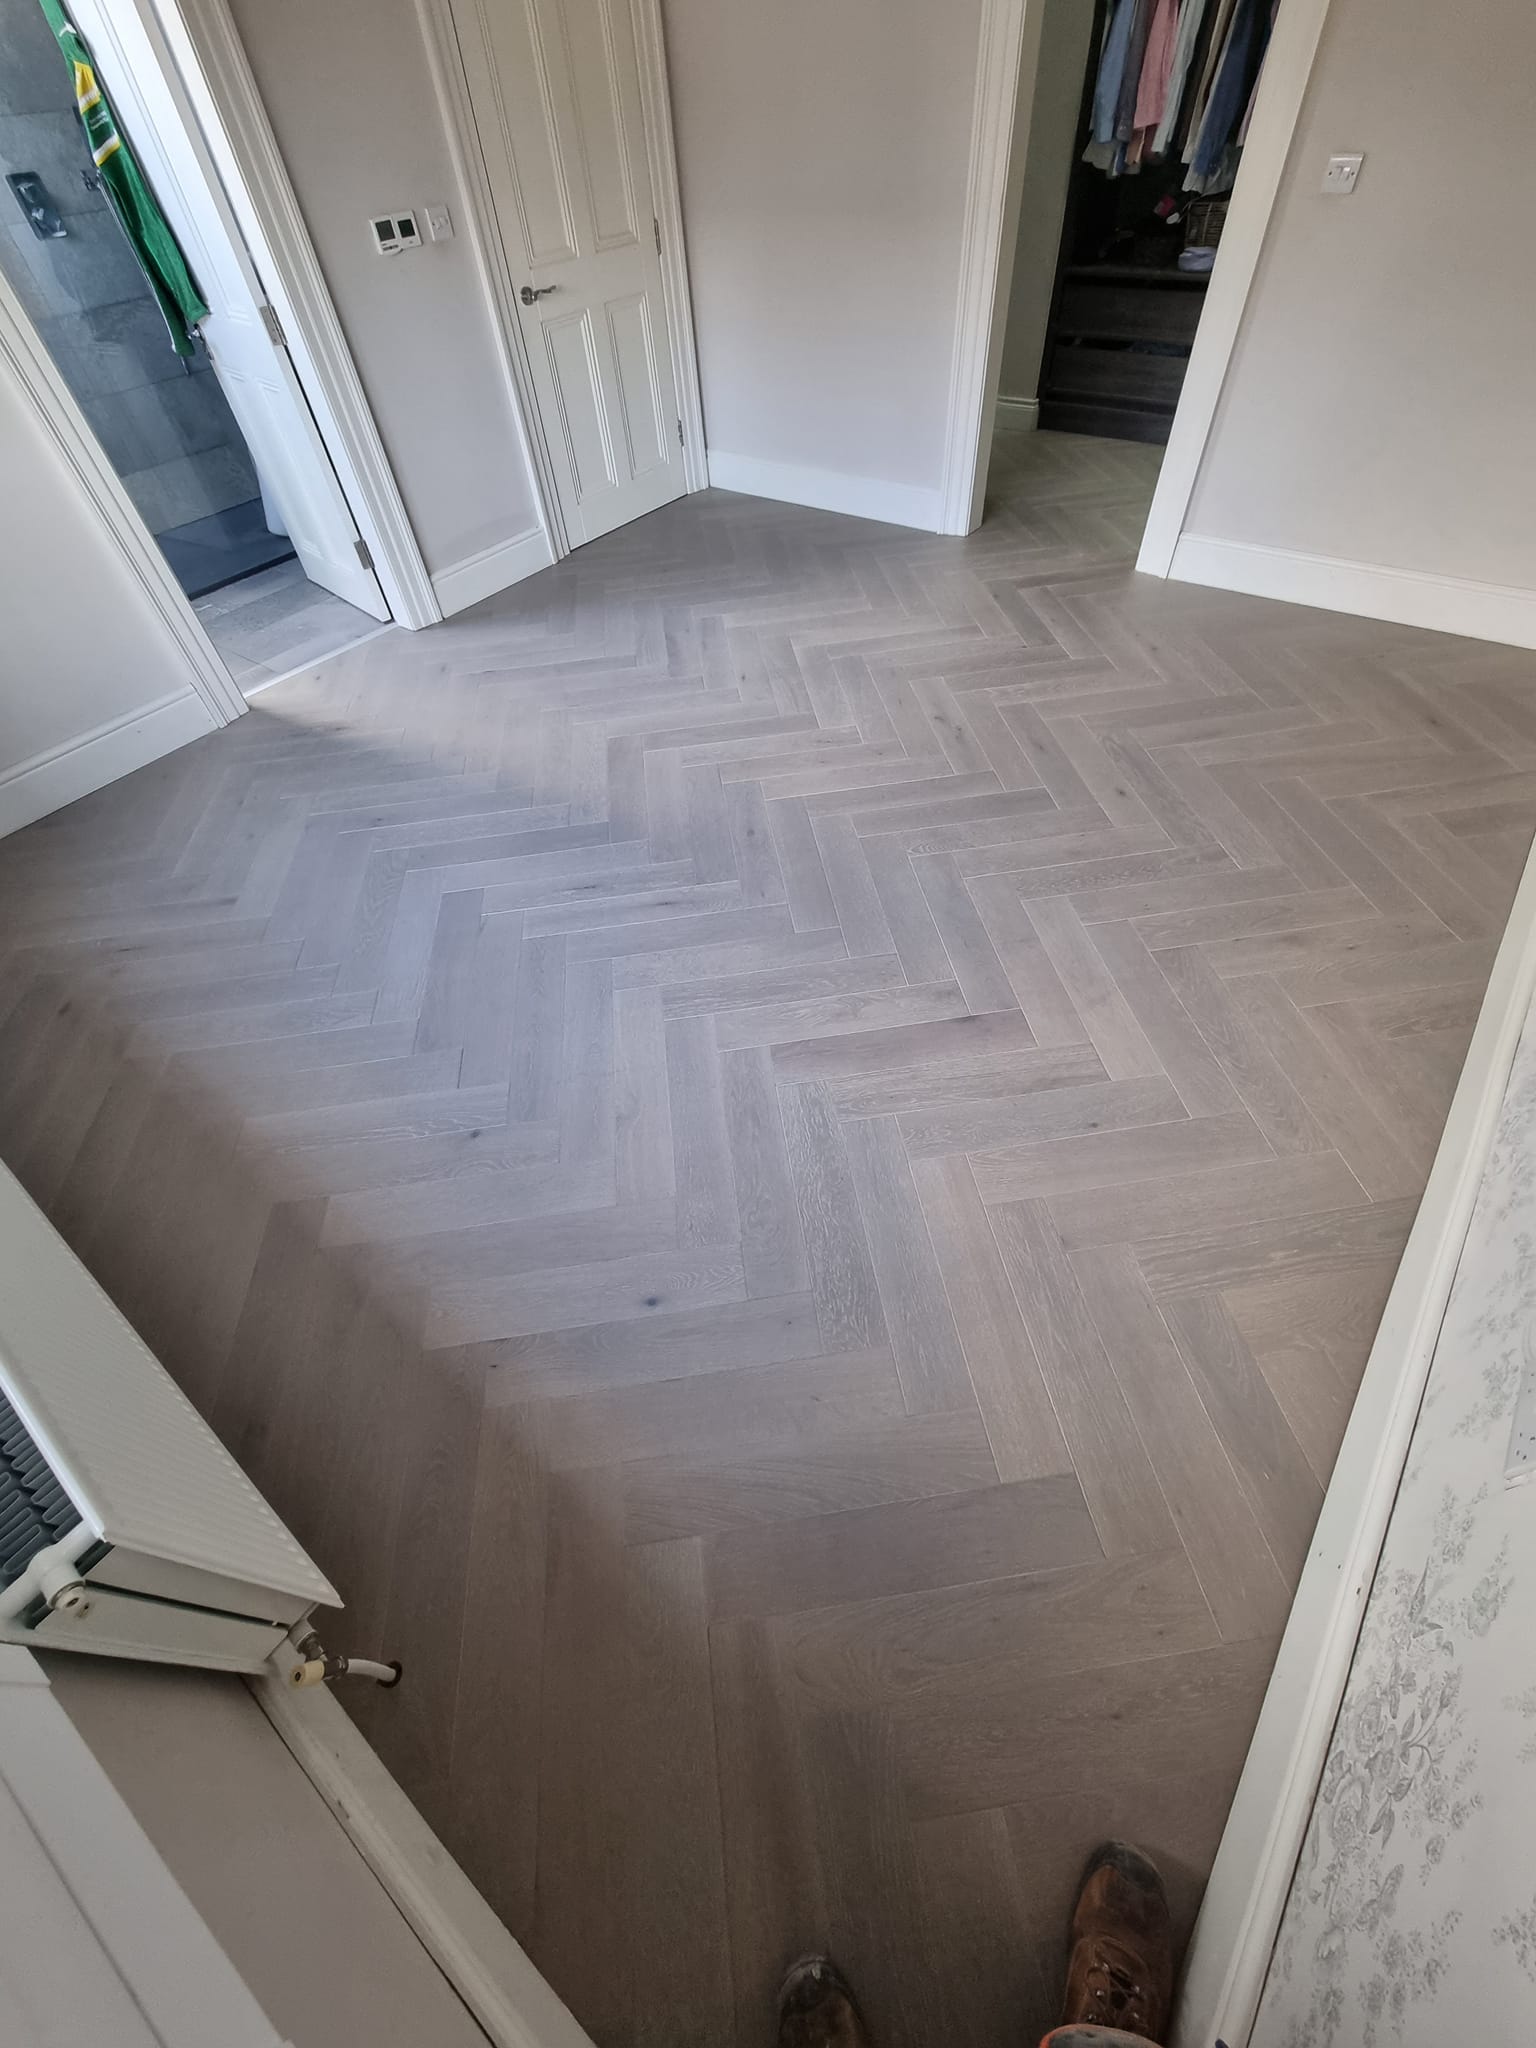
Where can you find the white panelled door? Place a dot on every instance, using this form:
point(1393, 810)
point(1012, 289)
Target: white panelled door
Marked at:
point(555, 89)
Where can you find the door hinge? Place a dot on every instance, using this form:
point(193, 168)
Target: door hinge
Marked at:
point(274, 327)
point(362, 553)
point(680, 441)
point(656, 224)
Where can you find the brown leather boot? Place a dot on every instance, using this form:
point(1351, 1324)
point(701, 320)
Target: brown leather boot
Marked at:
point(817, 2008)
point(1120, 1968)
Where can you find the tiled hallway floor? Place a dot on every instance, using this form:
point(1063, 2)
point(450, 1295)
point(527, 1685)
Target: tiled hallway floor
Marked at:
point(274, 622)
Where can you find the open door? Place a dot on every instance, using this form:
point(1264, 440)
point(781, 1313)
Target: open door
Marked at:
point(245, 342)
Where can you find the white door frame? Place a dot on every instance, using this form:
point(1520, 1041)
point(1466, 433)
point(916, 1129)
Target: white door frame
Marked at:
point(1010, 35)
point(448, 60)
point(999, 136)
point(203, 668)
point(219, 82)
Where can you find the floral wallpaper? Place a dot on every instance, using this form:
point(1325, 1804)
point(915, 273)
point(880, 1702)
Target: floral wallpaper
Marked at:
point(1412, 1916)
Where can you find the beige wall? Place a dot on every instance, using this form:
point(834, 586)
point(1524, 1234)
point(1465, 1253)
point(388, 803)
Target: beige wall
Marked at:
point(1065, 30)
point(59, 683)
point(290, 1901)
point(348, 90)
point(1381, 405)
point(823, 154)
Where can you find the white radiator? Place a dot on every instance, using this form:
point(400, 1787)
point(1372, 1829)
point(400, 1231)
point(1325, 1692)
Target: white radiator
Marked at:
point(125, 1526)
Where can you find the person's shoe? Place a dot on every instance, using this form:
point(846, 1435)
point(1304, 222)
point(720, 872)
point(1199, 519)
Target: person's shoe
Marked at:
point(817, 2008)
point(1120, 1968)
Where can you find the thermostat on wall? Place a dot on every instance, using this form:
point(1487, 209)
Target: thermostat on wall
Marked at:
point(393, 232)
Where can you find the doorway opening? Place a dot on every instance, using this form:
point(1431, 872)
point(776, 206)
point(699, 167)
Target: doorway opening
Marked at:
point(1138, 118)
point(203, 420)
point(1116, 145)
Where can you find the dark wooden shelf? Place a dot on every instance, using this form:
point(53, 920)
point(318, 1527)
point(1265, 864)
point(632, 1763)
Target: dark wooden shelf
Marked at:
point(1139, 273)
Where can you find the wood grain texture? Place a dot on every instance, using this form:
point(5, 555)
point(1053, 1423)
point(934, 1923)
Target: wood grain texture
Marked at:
point(783, 1147)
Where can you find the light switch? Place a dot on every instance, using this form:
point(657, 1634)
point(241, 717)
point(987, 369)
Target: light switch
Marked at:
point(439, 224)
point(1341, 173)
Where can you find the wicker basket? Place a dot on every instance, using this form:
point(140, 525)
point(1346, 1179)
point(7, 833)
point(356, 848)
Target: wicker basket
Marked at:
point(1204, 220)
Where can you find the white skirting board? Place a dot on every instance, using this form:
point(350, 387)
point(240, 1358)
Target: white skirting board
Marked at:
point(511, 2001)
point(1239, 1922)
point(493, 569)
point(1018, 415)
point(49, 781)
point(827, 490)
point(1444, 604)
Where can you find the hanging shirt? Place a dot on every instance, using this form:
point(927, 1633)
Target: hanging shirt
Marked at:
point(1106, 89)
point(148, 231)
point(1157, 64)
point(1185, 43)
point(1199, 99)
point(1130, 78)
point(1235, 76)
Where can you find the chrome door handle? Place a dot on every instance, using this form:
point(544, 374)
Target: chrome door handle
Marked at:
point(531, 296)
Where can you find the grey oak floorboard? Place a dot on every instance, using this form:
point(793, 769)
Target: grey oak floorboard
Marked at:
point(783, 1147)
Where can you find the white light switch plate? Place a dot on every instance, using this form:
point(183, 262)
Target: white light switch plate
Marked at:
point(1341, 173)
point(439, 224)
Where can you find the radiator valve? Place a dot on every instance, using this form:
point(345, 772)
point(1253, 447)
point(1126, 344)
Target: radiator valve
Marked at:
point(316, 1666)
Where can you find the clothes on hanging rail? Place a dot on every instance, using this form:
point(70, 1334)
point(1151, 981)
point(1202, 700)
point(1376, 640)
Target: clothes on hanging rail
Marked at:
point(1185, 44)
point(1157, 65)
point(1106, 89)
point(1130, 77)
point(1176, 79)
point(1247, 36)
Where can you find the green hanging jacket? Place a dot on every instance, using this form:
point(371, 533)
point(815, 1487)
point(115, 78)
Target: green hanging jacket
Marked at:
point(146, 227)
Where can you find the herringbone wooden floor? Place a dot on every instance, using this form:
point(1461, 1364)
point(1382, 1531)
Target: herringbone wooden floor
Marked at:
point(782, 1149)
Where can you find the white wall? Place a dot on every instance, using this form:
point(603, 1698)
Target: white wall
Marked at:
point(1065, 31)
point(283, 1891)
point(1380, 407)
point(86, 663)
point(823, 153)
point(348, 91)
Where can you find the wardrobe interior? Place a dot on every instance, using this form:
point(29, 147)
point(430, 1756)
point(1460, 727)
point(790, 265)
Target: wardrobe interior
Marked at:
point(1139, 112)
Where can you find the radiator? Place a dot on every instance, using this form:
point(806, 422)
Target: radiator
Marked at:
point(126, 1528)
